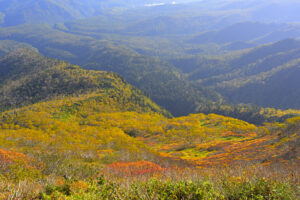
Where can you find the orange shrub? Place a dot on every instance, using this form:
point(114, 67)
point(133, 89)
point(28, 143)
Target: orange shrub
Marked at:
point(79, 186)
point(8, 157)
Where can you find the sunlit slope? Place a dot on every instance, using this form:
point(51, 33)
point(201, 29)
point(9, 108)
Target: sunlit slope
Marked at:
point(235, 142)
point(28, 77)
point(214, 140)
point(98, 128)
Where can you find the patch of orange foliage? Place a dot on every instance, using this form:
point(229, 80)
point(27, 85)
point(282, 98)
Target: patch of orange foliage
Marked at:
point(244, 150)
point(135, 168)
point(79, 185)
point(8, 157)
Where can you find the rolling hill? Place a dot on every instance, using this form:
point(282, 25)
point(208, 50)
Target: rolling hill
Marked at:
point(28, 77)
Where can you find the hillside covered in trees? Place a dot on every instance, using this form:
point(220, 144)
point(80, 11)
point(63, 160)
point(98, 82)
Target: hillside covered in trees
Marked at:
point(28, 77)
point(267, 75)
point(154, 77)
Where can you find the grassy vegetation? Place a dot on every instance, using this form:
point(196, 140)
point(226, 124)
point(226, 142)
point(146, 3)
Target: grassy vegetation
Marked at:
point(239, 182)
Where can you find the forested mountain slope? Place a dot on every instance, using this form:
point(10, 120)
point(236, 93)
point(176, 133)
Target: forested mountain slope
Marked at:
point(7, 46)
point(159, 80)
point(267, 75)
point(27, 77)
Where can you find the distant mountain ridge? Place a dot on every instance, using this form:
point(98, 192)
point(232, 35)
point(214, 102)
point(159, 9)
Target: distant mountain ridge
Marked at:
point(267, 76)
point(254, 32)
point(43, 11)
point(16, 12)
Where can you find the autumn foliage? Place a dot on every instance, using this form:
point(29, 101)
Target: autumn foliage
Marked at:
point(135, 168)
point(8, 157)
